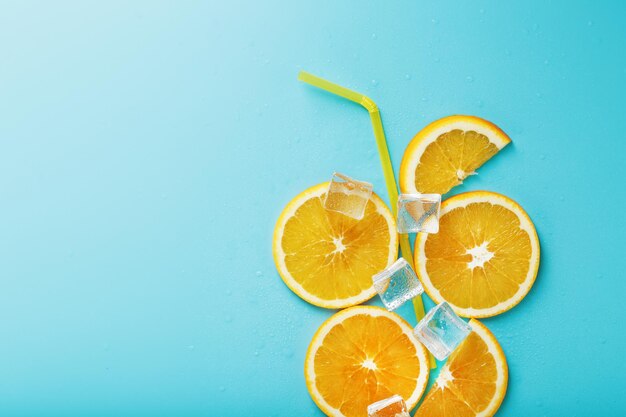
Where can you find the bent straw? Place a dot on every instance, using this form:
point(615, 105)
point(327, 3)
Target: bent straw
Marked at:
point(383, 152)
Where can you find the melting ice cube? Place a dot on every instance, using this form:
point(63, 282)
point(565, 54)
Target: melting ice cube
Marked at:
point(348, 196)
point(397, 284)
point(418, 213)
point(441, 331)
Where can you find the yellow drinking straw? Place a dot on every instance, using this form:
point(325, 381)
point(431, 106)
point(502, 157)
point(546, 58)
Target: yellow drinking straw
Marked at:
point(381, 143)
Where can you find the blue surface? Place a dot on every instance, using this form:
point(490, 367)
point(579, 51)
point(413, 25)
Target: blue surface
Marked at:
point(147, 149)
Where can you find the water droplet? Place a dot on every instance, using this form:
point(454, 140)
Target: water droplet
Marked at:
point(373, 36)
point(222, 389)
point(434, 21)
point(259, 273)
point(469, 79)
point(229, 292)
point(288, 353)
point(408, 76)
point(590, 23)
point(436, 59)
point(538, 95)
point(546, 62)
point(480, 103)
point(228, 319)
point(256, 353)
point(374, 83)
point(542, 157)
point(191, 347)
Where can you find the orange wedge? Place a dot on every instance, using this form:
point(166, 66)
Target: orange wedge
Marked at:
point(485, 257)
point(473, 381)
point(362, 355)
point(327, 258)
point(446, 151)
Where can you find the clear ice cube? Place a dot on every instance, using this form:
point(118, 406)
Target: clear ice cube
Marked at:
point(418, 213)
point(389, 407)
point(397, 284)
point(441, 331)
point(348, 196)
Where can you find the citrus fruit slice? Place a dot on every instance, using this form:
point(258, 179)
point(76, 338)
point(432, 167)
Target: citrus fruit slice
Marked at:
point(362, 355)
point(473, 381)
point(484, 259)
point(327, 258)
point(446, 151)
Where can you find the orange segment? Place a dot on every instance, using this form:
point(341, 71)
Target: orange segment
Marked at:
point(484, 259)
point(472, 382)
point(328, 258)
point(362, 355)
point(448, 150)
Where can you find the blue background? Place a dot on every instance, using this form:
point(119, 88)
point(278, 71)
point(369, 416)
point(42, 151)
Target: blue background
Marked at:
point(147, 149)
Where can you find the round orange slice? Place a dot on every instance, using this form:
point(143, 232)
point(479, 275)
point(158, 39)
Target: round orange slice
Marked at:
point(327, 258)
point(362, 355)
point(485, 257)
point(448, 150)
point(473, 381)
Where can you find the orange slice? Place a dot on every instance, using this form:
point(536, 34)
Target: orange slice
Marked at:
point(446, 151)
point(362, 355)
point(327, 258)
point(473, 381)
point(485, 257)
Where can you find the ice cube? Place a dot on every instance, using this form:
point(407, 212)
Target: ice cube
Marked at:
point(441, 331)
point(397, 284)
point(348, 196)
point(418, 213)
point(389, 407)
